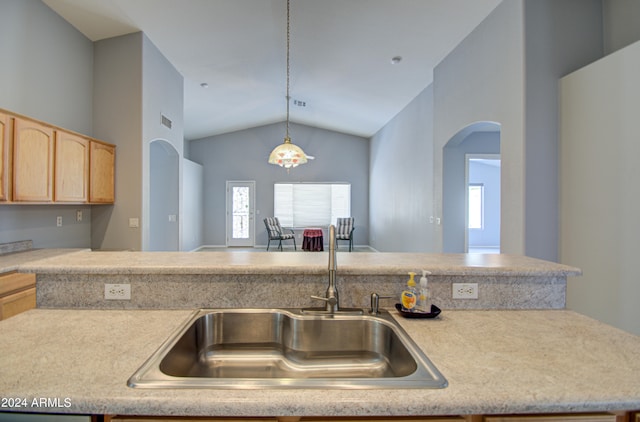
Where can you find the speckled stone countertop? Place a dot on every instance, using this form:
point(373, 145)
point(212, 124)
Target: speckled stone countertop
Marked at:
point(88, 262)
point(496, 362)
point(15, 260)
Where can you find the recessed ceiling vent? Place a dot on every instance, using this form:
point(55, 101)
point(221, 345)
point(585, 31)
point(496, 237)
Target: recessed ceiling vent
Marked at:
point(166, 121)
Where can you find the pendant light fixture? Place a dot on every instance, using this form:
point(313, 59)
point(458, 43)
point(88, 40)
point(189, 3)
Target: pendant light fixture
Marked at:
point(287, 154)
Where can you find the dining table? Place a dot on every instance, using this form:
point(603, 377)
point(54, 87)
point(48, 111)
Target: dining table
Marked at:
point(313, 239)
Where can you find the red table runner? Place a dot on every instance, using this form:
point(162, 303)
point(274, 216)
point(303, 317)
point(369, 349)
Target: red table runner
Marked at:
point(312, 240)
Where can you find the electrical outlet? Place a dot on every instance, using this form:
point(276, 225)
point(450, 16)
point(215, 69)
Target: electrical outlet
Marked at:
point(59, 221)
point(465, 290)
point(78, 215)
point(117, 291)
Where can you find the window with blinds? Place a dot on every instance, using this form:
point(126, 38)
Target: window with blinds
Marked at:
point(311, 204)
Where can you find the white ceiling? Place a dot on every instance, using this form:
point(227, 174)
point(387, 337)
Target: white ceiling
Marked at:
point(341, 54)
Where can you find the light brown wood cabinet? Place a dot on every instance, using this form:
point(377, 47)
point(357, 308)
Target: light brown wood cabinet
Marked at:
point(42, 163)
point(17, 293)
point(591, 417)
point(621, 417)
point(377, 419)
point(102, 173)
point(596, 417)
point(4, 156)
point(72, 168)
point(183, 419)
point(33, 152)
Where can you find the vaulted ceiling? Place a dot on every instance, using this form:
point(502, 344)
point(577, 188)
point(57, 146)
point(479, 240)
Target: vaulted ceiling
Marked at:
point(341, 54)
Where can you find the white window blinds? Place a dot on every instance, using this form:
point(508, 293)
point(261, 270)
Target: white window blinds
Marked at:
point(311, 204)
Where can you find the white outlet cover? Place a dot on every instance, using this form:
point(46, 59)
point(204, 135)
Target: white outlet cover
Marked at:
point(117, 291)
point(464, 290)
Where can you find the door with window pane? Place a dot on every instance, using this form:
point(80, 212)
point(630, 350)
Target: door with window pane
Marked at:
point(240, 213)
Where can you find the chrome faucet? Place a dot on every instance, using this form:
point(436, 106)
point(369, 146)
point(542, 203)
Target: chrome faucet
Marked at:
point(331, 297)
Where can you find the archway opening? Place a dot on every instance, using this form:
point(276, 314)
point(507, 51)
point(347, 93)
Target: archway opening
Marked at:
point(471, 190)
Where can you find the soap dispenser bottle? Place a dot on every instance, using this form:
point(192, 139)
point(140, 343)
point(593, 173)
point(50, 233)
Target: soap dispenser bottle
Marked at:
point(409, 296)
point(424, 297)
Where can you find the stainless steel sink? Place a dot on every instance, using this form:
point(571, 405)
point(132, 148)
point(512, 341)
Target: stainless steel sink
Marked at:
point(286, 348)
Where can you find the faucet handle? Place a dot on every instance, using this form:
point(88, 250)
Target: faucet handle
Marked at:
point(330, 300)
point(375, 303)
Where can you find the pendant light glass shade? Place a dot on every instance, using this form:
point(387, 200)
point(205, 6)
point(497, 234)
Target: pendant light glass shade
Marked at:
point(287, 154)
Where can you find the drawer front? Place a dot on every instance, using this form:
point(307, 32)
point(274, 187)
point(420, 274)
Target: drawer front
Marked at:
point(597, 417)
point(14, 282)
point(16, 303)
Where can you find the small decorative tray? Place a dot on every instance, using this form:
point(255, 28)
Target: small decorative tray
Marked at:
point(435, 311)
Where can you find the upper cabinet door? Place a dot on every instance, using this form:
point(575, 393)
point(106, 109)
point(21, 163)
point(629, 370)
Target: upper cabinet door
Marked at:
point(33, 152)
point(4, 157)
point(102, 173)
point(72, 168)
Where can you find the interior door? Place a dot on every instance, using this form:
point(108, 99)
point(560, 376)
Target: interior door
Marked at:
point(240, 213)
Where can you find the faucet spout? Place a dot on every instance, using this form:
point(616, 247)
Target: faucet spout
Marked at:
point(332, 290)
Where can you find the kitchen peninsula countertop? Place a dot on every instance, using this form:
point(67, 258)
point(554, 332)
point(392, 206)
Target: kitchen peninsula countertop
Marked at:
point(75, 278)
point(15, 260)
point(97, 262)
point(496, 362)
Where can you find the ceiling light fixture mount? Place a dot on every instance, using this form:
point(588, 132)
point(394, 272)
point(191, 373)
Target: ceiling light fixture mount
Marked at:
point(288, 154)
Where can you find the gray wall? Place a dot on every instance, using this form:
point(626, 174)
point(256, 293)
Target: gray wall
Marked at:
point(482, 80)
point(46, 70)
point(491, 77)
point(118, 119)
point(46, 74)
point(621, 26)
point(243, 156)
point(133, 85)
point(163, 197)
point(162, 95)
point(401, 180)
point(560, 37)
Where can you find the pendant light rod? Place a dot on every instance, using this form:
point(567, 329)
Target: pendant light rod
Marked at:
point(288, 61)
point(287, 154)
